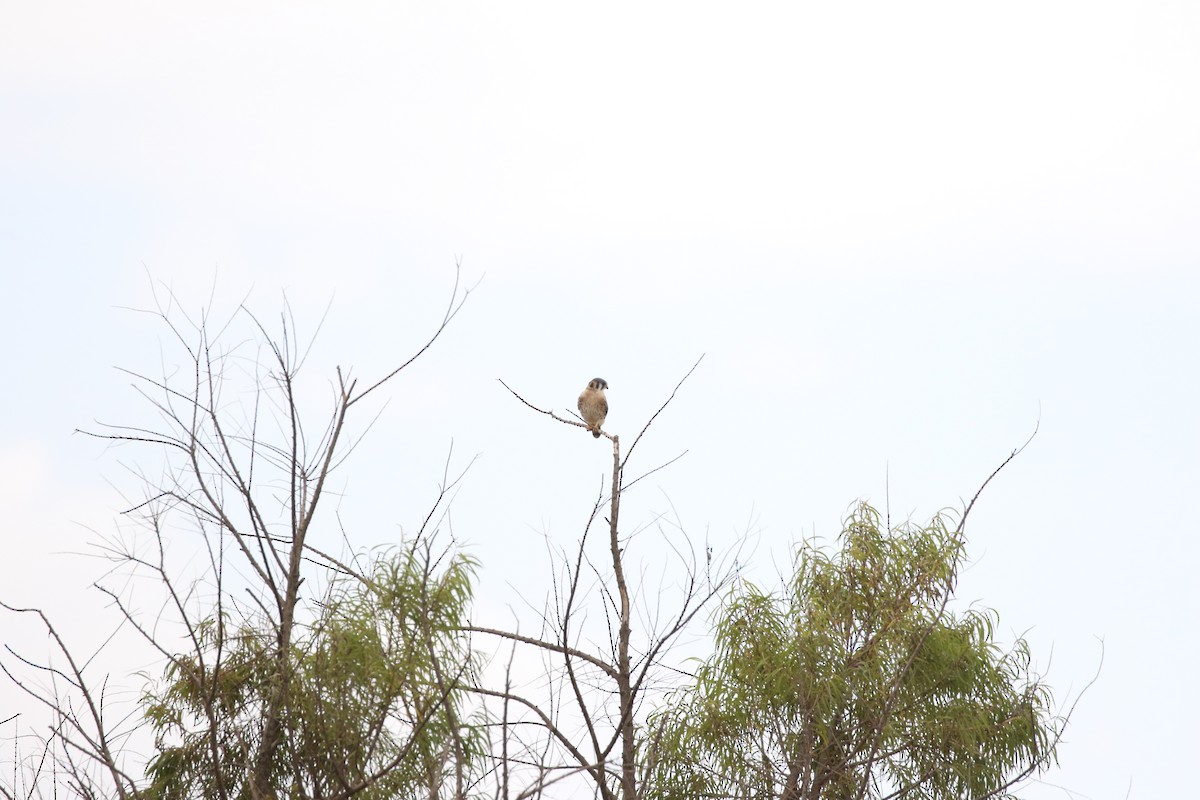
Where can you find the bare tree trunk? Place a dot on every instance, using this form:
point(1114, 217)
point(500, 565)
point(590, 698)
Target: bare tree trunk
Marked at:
point(624, 676)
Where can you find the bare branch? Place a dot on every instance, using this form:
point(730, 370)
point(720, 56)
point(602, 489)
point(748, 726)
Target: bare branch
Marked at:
point(661, 408)
point(550, 413)
point(452, 310)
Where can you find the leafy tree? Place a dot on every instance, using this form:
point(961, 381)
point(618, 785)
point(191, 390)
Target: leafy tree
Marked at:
point(856, 681)
point(375, 702)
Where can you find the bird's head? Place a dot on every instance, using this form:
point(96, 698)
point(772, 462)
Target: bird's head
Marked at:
point(598, 383)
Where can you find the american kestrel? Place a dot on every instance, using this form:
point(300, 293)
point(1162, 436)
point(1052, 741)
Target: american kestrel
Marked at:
point(593, 405)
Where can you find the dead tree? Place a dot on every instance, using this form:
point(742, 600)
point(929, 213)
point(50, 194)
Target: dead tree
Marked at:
point(585, 722)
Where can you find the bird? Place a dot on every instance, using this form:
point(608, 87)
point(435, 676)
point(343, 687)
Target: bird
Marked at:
point(593, 405)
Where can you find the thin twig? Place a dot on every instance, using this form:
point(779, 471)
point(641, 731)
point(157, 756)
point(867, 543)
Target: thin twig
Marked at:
point(653, 417)
point(550, 413)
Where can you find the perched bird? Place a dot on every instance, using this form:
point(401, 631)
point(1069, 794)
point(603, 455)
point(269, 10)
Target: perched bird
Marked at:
point(593, 405)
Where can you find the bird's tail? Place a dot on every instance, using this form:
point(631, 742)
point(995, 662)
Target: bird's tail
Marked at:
point(596, 433)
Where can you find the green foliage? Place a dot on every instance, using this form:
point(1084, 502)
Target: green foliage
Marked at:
point(856, 676)
point(374, 695)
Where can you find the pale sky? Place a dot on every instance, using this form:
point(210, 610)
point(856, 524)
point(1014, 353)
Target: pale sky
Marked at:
point(901, 234)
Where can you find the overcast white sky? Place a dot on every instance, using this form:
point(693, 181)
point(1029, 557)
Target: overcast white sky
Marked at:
point(901, 232)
